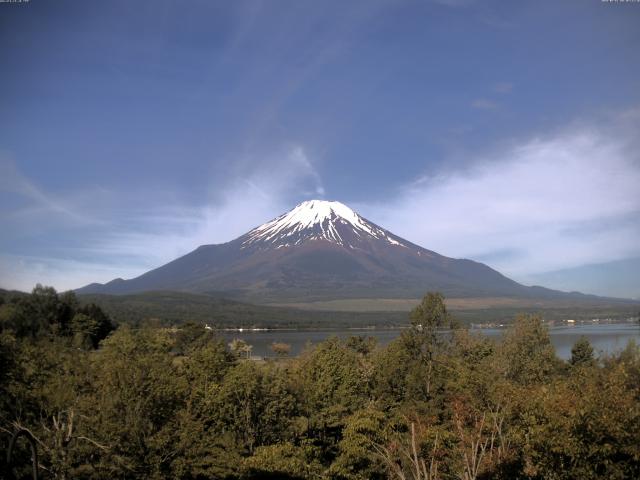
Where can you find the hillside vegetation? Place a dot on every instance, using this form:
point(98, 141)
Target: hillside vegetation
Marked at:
point(155, 402)
point(176, 308)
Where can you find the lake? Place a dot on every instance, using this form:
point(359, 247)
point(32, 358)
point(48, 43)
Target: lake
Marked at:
point(604, 337)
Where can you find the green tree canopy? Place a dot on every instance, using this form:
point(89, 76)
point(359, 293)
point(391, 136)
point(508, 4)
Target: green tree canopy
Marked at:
point(527, 352)
point(582, 353)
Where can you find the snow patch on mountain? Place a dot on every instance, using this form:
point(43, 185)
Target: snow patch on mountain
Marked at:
point(317, 220)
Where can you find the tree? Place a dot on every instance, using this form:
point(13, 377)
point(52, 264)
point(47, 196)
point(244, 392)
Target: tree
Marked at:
point(103, 325)
point(206, 366)
point(281, 349)
point(527, 352)
point(421, 341)
point(47, 313)
point(587, 427)
point(582, 353)
point(85, 330)
point(141, 390)
point(393, 369)
point(202, 448)
point(331, 385)
point(9, 372)
point(416, 452)
point(481, 439)
point(240, 347)
point(50, 395)
point(357, 456)
point(362, 345)
point(256, 404)
point(54, 315)
point(283, 461)
point(37, 314)
point(430, 313)
point(192, 336)
point(16, 317)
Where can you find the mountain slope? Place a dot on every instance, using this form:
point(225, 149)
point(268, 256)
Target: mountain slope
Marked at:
point(321, 250)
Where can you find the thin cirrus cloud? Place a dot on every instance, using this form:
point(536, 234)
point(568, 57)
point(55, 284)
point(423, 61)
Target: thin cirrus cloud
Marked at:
point(25, 202)
point(503, 87)
point(455, 3)
point(125, 241)
point(484, 104)
point(551, 202)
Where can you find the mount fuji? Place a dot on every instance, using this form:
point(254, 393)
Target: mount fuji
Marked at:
point(321, 250)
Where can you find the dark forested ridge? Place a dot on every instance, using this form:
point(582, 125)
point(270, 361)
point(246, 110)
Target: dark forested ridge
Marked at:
point(175, 308)
point(169, 308)
point(156, 402)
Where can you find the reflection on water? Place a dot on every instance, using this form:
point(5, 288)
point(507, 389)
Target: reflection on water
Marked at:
point(605, 338)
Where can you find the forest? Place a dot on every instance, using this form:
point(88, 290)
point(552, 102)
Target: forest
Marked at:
point(104, 401)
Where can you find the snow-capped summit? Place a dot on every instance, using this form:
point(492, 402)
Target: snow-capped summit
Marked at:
point(320, 250)
point(318, 220)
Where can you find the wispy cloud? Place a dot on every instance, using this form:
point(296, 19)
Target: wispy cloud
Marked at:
point(298, 156)
point(503, 87)
point(484, 104)
point(28, 200)
point(555, 201)
point(496, 21)
point(125, 241)
point(455, 3)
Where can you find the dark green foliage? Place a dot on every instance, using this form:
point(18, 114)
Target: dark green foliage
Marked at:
point(46, 313)
point(407, 372)
point(140, 390)
point(421, 339)
point(157, 402)
point(282, 461)
point(361, 345)
point(191, 337)
point(528, 354)
point(587, 427)
point(9, 370)
point(256, 405)
point(178, 308)
point(85, 330)
point(102, 325)
point(363, 433)
point(431, 313)
point(582, 353)
point(331, 384)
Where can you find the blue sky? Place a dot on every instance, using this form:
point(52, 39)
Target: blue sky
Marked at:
point(506, 132)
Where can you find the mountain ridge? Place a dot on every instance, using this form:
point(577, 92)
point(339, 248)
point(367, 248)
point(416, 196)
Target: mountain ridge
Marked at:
point(322, 250)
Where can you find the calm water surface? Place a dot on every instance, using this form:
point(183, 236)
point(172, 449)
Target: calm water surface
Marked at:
point(605, 337)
